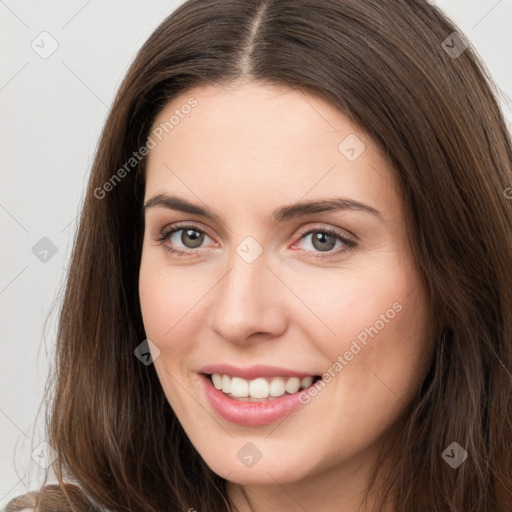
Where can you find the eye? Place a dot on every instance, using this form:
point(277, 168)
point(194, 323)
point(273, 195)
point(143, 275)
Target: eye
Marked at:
point(324, 240)
point(183, 239)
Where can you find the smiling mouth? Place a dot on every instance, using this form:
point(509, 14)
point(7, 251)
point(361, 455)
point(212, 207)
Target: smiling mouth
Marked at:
point(261, 389)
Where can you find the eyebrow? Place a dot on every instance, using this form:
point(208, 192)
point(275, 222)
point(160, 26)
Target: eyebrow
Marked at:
point(281, 214)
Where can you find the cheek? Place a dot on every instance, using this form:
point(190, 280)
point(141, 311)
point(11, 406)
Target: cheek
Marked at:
point(384, 348)
point(156, 300)
point(341, 306)
point(375, 320)
point(172, 302)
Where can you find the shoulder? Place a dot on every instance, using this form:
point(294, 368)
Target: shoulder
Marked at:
point(51, 498)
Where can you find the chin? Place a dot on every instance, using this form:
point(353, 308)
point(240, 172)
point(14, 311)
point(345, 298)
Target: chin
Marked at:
point(266, 470)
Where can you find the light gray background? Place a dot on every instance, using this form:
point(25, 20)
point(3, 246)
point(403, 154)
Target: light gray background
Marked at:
point(52, 112)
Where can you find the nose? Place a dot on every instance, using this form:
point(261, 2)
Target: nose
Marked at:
point(249, 302)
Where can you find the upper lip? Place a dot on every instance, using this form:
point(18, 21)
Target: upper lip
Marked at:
point(252, 372)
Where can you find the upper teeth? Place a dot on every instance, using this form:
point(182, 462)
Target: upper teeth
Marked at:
point(260, 387)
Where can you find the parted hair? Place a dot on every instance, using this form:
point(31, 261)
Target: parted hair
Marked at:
point(390, 66)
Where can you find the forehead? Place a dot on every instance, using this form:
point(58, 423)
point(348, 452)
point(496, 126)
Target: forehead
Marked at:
point(253, 113)
point(253, 141)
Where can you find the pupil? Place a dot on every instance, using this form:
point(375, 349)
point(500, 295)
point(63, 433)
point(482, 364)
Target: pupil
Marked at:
point(193, 235)
point(320, 238)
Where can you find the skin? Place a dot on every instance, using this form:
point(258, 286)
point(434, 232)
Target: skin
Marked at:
point(242, 152)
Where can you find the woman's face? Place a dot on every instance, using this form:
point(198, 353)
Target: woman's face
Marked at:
point(269, 291)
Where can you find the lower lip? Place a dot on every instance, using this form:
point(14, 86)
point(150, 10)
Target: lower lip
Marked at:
point(250, 413)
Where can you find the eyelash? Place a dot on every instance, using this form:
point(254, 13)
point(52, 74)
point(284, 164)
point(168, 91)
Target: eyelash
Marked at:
point(349, 243)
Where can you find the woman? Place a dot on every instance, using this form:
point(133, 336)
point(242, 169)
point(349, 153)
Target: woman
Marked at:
point(291, 284)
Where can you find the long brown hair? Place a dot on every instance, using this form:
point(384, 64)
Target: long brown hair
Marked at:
point(391, 67)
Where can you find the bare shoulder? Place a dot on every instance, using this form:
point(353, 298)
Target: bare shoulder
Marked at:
point(51, 498)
